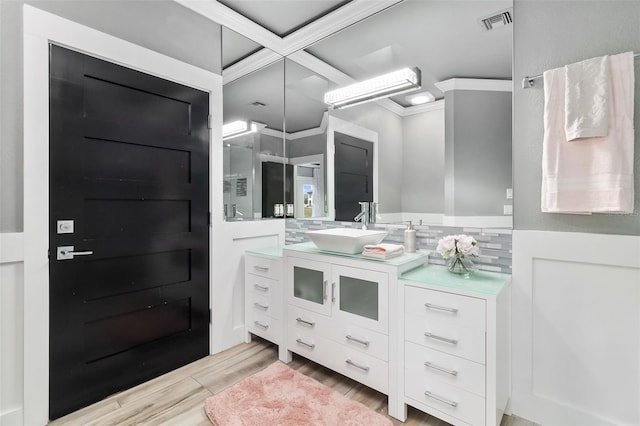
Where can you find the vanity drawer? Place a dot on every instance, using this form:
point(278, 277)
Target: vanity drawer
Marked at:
point(429, 366)
point(309, 322)
point(363, 368)
point(261, 292)
point(262, 304)
point(456, 402)
point(361, 339)
point(463, 311)
point(442, 336)
point(263, 266)
point(265, 326)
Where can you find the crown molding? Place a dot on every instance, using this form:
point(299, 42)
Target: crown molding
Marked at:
point(252, 63)
point(310, 132)
point(419, 109)
point(489, 85)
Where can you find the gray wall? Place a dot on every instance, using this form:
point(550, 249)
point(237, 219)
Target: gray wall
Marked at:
point(389, 128)
point(478, 152)
point(549, 35)
point(311, 145)
point(423, 162)
point(163, 26)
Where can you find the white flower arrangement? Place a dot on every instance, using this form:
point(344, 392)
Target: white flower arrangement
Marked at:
point(452, 245)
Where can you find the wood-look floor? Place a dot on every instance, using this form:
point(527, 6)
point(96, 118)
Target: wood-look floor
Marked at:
point(177, 398)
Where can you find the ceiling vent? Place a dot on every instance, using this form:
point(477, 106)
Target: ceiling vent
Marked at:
point(496, 20)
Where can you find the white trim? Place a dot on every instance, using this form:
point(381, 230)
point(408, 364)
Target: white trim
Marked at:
point(338, 125)
point(569, 250)
point(11, 247)
point(40, 28)
point(231, 19)
point(13, 417)
point(420, 109)
point(258, 60)
point(339, 19)
point(490, 85)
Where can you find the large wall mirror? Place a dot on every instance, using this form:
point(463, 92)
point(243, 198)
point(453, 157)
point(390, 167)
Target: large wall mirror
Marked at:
point(443, 162)
point(256, 173)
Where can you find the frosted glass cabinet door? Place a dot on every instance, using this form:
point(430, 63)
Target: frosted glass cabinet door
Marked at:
point(309, 285)
point(360, 297)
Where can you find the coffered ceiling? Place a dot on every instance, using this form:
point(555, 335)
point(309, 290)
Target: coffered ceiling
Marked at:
point(342, 41)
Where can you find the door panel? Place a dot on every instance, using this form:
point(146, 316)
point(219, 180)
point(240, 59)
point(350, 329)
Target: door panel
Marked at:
point(129, 157)
point(353, 175)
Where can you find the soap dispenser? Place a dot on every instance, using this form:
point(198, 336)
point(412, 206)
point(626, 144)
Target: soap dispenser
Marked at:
point(410, 239)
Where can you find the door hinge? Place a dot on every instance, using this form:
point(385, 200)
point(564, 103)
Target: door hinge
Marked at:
point(210, 316)
point(209, 218)
point(209, 121)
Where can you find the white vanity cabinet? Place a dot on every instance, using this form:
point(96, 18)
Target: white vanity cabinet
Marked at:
point(264, 307)
point(456, 344)
point(340, 310)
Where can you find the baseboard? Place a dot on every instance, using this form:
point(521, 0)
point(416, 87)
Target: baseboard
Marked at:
point(12, 417)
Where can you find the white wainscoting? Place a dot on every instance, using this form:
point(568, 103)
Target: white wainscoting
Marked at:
point(576, 328)
point(230, 242)
point(11, 337)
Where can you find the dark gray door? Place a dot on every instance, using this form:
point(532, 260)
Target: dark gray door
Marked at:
point(129, 157)
point(353, 175)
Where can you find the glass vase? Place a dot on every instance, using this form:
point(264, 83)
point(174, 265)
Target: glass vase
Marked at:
point(460, 264)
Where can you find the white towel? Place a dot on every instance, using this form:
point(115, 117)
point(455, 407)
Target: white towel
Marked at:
point(595, 175)
point(586, 101)
point(383, 250)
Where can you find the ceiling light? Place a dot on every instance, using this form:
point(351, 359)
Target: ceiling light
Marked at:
point(238, 128)
point(375, 88)
point(420, 98)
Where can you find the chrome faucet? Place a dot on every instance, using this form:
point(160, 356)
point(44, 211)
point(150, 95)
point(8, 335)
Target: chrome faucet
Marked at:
point(364, 215)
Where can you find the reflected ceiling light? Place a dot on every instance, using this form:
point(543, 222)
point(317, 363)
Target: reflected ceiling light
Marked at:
point(420, 98)
point(238, 128)
point(383, 86)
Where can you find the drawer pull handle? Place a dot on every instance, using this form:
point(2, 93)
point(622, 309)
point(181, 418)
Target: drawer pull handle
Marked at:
point(443, 339)
point(324, 289)
point(305, 322)
point(260, 287)
point(441, 308)
point(361, 367)
point(441, 399)
point(333, 292)
point(437, 367)
point(259, 324)
point(303, 343)
point(354, 339)
point(261, 268)
point(261, 306)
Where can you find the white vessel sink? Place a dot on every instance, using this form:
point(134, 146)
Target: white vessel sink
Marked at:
point(345, 240)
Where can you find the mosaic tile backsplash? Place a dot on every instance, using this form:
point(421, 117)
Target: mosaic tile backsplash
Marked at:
point(495, 244)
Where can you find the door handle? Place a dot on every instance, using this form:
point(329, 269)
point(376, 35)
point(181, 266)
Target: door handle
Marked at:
point(67, 252)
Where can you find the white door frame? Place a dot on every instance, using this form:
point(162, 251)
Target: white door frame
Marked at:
point(41, 28)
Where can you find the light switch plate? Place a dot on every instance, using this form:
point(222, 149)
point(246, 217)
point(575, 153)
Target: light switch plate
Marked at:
point(509, 193)
point(508, 209)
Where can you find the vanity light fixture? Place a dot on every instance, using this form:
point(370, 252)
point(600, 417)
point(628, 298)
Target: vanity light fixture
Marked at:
point(238, 128)
point(420, 98)
point(383, 86)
